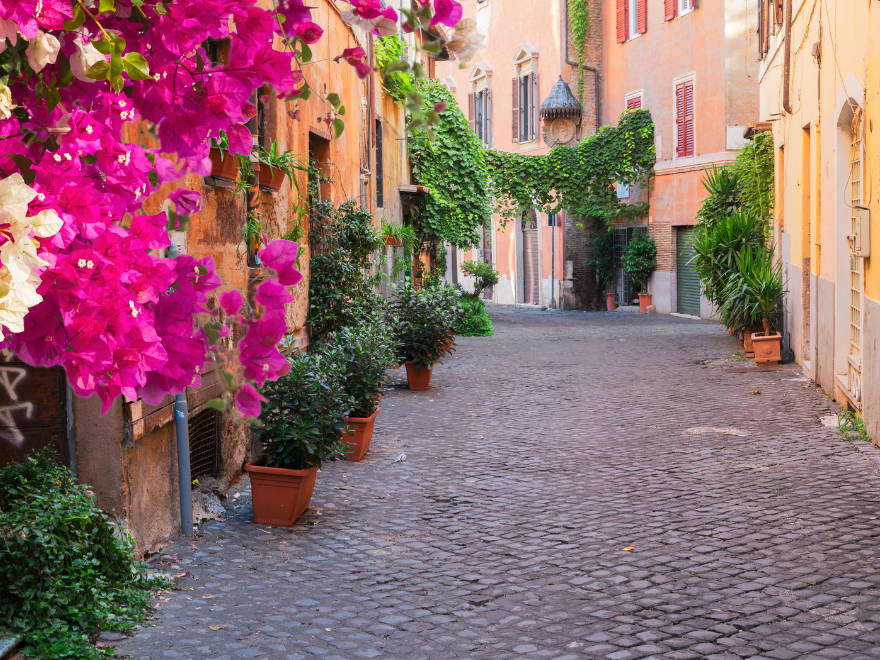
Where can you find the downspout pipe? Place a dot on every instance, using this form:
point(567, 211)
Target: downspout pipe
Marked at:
point(786, 67)
point(587, 67)
point(184, 474)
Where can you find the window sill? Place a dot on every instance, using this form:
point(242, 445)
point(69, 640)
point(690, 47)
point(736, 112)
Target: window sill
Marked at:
point(683, 14)
point(633, 38)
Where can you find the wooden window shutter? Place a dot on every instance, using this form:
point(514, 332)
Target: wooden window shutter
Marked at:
point(669, 9)
point(488, 138)
point(634, 103)
point(471, 119)
point(516, 84)
point(778, 5)
point(689, 118)
point(621, 20)
point(761, 12)
point(679, 120)
point(533, 106)
point(642, 16)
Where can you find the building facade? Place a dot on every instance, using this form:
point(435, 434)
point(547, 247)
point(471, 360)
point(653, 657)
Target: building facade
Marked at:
point(539, 258)
point(819, 76)
point(691, 65)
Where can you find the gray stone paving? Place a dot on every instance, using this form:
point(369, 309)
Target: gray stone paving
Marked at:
point(580, 485)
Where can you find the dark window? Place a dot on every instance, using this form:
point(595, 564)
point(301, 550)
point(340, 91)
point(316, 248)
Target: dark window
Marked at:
point(525, 105)
point(380, 186)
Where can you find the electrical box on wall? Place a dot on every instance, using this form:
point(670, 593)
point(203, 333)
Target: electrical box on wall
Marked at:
point(860, 241)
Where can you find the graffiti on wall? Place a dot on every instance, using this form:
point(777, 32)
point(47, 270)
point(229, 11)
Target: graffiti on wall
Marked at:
point(32, 409)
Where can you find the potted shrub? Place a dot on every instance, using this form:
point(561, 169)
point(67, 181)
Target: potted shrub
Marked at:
point(422, 325)
point(302, 427)
point(753, 303)
point(454, 303)
point(484, 275)
point(223, 163)
point(639, 260)
point(367, 351)
point(274, 166)
point(603, 264)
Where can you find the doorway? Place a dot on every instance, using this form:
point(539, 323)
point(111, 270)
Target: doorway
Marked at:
point(623, 283)
point(531, 272)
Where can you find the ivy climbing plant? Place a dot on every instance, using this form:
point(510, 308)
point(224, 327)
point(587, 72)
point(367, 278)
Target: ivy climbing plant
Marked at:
point(389, 51)
point(579, 179)
point(579, 21)
point(453, 167)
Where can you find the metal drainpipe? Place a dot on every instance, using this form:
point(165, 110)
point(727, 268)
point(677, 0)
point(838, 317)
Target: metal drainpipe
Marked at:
point(184, 475)
point(588, 68)
point(552, 259)
point(786, 68)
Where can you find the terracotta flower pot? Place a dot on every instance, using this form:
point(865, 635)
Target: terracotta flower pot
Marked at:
point(418, 378)
point(280, 496)
point(271, 177)
point(390, 241)
point(609, 301)
point(767, 348)
point(359, 443)
point(644, 301)
point(748, 345)
point(223, 164)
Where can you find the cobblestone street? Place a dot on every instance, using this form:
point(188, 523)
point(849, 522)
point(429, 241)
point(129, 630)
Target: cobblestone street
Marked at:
point(579, 485)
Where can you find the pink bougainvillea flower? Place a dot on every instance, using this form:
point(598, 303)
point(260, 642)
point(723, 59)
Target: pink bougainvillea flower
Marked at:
point(280, 256)
point(366, 8)
point(355, 57)
point(187, 201)
point(247, 401)
point(272, 295)
point(447, 12)
point(231, 302)
point(381, 22)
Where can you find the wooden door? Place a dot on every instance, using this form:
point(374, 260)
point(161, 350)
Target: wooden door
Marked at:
point(531, 274)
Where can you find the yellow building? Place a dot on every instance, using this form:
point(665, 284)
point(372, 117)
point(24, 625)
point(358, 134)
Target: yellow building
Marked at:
point(819, 82)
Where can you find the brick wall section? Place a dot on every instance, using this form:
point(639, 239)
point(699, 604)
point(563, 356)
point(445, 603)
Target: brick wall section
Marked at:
point(592, 57)
point(664, 236)
point(578, 248)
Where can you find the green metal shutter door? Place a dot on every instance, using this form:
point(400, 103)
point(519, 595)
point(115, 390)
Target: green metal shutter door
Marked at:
point(688, 282)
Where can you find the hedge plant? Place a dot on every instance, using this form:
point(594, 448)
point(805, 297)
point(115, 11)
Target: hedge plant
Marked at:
point(67, 571)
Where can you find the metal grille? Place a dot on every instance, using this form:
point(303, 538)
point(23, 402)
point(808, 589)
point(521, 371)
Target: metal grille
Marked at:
point(204, 444)
point(855, 263)
point(623, 283)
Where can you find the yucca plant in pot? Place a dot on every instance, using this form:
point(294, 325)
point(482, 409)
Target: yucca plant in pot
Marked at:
point(422, 324)
point(367, 349)
point(640, 260)
point(754, 298)
point(301, 428)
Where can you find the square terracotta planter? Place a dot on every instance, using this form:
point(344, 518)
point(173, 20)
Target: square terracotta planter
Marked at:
point(223, 164)
point(748, 345)
point(280, 496)
point(644, 301)
point(359, 443)
point(271, 177)
point(418, 377)
point(768, 348)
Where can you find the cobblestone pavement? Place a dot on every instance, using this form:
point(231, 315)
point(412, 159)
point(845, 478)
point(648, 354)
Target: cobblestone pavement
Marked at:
point(580, 485)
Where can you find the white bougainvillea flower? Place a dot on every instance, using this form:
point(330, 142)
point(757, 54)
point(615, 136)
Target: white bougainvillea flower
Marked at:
point(85, 57)
point(15, 195)
point(5, 101)
point(466, 41)
point(19, 264)
point(42, 50)
point(8, 30)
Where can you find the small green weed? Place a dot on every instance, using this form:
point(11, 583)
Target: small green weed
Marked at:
point(852, 427)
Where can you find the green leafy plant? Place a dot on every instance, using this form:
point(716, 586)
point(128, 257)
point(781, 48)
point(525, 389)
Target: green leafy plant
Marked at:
point(579, 22)
point(453, 167)
point(403, 241)
point(602, 260)
point(423, 323)
point(640, 259)
point(579, 179)
point(389, 51)
point(367, 349)
point(288, 162)
point(852, 427)
point(341, 288)
point(304, 418)
point(66, 570)
point(754, 295)
point(476, 321)
point(716, 248)
point(484, 275)
point(724, 197)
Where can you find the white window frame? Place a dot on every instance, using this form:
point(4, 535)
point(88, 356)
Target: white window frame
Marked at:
point(637, 94)
point(684, 7)
point(632, 27)
point(526, 62)
point(481, 81)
